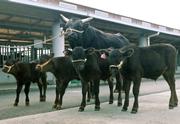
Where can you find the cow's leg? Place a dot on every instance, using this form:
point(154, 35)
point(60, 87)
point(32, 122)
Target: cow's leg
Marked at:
point(44, 84)
point(127, 84)
point(39, 83)
point(96, 93)
point(63, 86)
point(92, 89)
point(173, 102)
point(136, 87)
point(44, 91)
point(57, 94)
point(119, 82)
point(111, 97)
point(26, 90)
point(89, 92)
point(18, 91)
point(116, 88)
point(84, 90)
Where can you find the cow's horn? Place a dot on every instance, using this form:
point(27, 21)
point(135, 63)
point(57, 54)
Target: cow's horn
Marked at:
point(64, 18)
point(87, 19)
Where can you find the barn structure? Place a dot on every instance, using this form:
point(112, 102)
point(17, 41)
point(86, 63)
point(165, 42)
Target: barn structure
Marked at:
point(29, 28)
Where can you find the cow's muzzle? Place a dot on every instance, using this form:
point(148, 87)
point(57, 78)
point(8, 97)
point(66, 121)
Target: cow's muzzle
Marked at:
point(69, 30)
point(79, 64)
point(38, 67)
point(7, 68)
point(116, 66)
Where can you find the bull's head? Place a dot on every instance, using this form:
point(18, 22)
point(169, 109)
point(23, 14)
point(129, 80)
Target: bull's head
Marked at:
point(74, 28)
point(117, 58)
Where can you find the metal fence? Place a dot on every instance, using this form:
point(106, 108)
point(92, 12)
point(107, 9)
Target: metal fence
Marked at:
point(23, 53)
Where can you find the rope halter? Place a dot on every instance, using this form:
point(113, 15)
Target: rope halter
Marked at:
point(79, 60)
point(117, 66)
point(73, 30)
point(9, 67)
point(42, 65)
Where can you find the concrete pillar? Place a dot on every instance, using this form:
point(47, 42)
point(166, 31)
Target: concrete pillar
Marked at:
point(58, 40)
point(143, 41)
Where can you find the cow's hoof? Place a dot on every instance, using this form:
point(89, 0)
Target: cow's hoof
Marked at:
point(88, 100)
point(124, 109)
point(134, 111)
point(175, 104)
point(81, 109)
point(54, 106)
point(111, 102)
point(15, 104)
point(42, 99)
point(119, 104)
point(97, 108)
point(171, 106)
point(58, 107)
point(27, 103)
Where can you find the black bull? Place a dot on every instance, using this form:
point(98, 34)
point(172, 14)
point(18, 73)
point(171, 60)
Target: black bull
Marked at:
point(148, 62)
point(25, 73)
point(80, 33)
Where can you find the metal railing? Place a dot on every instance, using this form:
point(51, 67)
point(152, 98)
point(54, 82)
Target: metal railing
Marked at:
point(22, 53)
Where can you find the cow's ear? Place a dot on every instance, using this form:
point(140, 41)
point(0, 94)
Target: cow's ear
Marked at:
point(128, 52)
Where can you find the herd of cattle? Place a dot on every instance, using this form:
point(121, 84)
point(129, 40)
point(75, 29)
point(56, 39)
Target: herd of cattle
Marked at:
point(95, 56)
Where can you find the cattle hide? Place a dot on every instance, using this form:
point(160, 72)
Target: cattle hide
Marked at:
point(62, 68)
point(25, 73)
point(80, 33)
point(145, 62)
point(92, 68)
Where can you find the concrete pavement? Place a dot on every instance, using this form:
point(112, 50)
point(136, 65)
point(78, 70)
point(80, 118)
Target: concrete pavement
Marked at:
point(150, 105)
point(153, 109)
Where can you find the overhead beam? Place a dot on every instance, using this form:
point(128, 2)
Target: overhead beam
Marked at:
point(25, 27)
point(27, 11)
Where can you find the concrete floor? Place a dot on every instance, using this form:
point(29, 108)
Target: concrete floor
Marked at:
point(153, 109)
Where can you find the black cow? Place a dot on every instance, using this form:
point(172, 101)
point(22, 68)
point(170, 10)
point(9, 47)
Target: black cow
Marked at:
point(25, 73)
point(80, 33)
point(148, 62)
point(62, 68)
point(91, 68)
